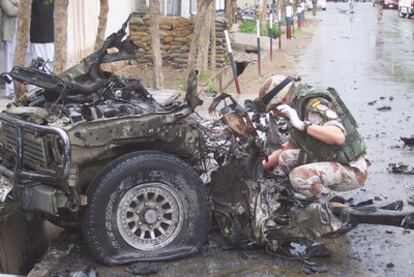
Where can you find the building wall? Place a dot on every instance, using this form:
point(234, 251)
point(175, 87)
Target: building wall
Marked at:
point(176, 35)
point(220, 5)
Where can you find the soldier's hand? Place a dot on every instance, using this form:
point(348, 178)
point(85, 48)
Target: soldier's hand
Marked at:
point(291, 113)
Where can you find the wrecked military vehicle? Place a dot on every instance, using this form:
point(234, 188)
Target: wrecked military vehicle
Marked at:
point(145, 180)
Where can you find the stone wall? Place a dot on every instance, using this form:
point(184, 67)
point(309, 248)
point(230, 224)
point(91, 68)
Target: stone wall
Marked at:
point(176, 34)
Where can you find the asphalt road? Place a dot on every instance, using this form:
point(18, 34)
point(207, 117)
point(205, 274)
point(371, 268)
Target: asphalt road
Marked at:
point(365, 61)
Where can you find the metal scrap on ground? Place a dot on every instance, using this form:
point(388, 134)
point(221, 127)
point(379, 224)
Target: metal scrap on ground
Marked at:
point(400, 168)
point(408, 140)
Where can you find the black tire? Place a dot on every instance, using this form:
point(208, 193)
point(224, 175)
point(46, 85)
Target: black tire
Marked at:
point(107, 231)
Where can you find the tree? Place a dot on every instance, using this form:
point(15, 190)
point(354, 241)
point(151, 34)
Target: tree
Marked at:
point(198, 29)
point(263, 14)
point(23, 28)
point(281, 8)
point(103, 19)
point(204, 40)
point(158, 78)
point(230, 10)
point(60, 21)
point(213, 37)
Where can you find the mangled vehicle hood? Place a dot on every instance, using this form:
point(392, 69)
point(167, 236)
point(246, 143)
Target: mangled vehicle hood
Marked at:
point(100, 110)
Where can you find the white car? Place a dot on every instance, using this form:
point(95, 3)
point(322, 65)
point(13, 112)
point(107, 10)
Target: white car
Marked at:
point(405, 8)
point(320, 4)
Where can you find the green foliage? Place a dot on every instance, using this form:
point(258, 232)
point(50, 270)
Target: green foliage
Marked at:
point(211, 88)
point(204, 76)
point(249, 26)
point(180, 85)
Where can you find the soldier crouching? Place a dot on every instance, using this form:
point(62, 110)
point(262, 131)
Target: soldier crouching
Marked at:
point(324, 151)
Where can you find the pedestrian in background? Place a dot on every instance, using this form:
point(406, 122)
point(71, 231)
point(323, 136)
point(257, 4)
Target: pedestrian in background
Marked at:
point(314, 5)
point(41, 31)
point(380, 7)
point(8, 20)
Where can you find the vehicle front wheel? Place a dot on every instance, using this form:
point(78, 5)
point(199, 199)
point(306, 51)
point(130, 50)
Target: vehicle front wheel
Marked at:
point(146, 206)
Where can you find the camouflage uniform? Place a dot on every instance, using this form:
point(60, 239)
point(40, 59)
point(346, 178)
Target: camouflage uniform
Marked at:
point(313, 178)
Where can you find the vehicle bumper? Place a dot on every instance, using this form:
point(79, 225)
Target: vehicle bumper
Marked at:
point(19, 172)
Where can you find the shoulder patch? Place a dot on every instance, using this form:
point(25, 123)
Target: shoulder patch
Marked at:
point(314, 102)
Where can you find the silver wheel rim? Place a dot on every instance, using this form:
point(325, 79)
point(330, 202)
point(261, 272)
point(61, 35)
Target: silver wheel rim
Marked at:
point(150, 216)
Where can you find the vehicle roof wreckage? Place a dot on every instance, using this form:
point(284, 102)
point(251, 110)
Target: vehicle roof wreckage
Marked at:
point(142, 177)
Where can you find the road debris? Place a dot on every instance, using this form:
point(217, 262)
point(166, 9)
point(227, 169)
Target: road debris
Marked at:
point(410, 200)
point(384, 108)
point(88, 272)
point(408, 140)
point(400, 168)
point(390, 265)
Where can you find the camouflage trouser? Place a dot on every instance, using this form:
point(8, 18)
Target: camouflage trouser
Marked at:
point(315, 178)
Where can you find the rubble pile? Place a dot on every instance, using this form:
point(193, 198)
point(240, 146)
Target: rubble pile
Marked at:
point(175, 33)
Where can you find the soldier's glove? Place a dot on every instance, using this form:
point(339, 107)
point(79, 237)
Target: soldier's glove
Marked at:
point(291, 113)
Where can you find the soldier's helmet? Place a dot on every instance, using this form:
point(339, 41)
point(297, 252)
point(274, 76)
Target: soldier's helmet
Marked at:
point(270, 84)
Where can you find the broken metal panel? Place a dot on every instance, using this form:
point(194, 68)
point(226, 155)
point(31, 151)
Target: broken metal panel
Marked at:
point(232, 114)
point(97, 141)
point(308, 223)
point(231, 205)
point(44, 199)
point(104, 132)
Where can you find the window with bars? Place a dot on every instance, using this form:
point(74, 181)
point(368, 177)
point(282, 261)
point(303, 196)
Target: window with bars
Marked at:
point(170, 7)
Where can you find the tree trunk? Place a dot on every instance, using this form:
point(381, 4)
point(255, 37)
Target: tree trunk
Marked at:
point(263, 14)
point(281, 8)
point(204, 41)
point(198, 28)
point(158, 78)
point(60, 21)
point(229, 10)
point(213, 37)
point(103, 19)
point(23, 28)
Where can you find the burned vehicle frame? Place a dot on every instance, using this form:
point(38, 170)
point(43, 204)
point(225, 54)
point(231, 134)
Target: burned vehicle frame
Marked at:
point(143, 178)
